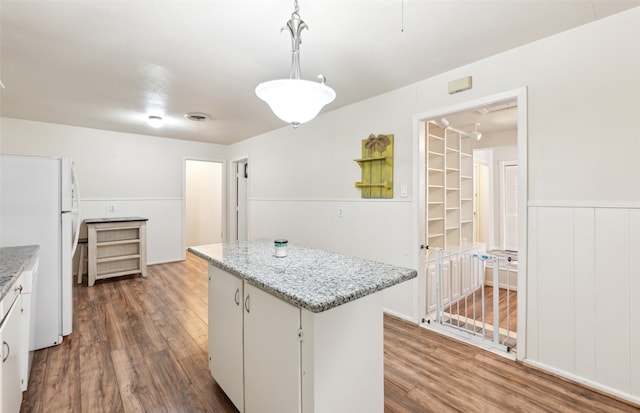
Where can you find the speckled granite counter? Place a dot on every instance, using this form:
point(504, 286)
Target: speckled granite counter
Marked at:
point(309, 278)
point(12, 262)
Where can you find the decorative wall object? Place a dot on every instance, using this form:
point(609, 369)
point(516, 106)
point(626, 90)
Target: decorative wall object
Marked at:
point(377, 167)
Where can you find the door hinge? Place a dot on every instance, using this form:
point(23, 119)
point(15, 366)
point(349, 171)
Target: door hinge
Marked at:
point(300, 334)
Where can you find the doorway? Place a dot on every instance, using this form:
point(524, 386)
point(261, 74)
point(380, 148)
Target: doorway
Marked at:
point(203, 202)
point(488, 198)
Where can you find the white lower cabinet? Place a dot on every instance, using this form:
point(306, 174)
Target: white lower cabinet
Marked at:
point(271, 354)
point(11, 337)
point(254, 346)
point(225, 333)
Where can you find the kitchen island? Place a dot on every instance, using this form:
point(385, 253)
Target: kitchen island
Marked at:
point(302, 333)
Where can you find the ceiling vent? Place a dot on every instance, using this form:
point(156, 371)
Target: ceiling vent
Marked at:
point(197, 116)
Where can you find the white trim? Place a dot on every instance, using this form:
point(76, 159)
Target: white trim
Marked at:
point(581, 380)
point(343, 200)
point(130, 199)
point(584, 204)
point(398, 315)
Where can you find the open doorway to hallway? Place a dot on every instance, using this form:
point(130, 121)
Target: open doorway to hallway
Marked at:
point(204, 201)
point(469, 207)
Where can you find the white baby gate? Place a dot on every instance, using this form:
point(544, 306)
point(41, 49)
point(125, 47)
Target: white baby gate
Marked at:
point(464, 293)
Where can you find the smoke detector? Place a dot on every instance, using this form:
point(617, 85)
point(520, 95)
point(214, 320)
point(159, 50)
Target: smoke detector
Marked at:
point(197, 116)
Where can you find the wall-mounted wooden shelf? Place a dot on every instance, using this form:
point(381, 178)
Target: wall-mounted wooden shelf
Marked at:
point(377, 167)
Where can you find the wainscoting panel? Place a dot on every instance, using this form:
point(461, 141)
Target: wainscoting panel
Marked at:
point(634, 299)
point(585, 291)
point(555, 286)
point(584, 295)
point(612, 298)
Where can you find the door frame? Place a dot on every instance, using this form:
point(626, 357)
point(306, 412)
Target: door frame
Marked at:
point(419, 179)
point(233, 192)
point(223, 195)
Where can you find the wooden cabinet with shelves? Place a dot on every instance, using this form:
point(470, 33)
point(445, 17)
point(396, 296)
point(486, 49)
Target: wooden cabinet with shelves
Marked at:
point(117, 246)
point(449, 187)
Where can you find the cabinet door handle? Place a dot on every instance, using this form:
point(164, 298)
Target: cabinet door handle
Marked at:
point(19, 289)
point(4, 358)
point(246, 303)
point(237, 296)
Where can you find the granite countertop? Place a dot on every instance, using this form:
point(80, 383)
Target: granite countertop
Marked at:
point(12, 262)
point(113, 219)
point(309, 278)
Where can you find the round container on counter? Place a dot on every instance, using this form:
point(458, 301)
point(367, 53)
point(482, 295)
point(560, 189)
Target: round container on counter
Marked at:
point(281, 247)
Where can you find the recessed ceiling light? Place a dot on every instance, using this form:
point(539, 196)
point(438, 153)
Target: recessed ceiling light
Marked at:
point(197, 116)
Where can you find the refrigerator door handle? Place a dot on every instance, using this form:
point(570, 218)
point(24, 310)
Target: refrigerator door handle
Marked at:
point(75, 191)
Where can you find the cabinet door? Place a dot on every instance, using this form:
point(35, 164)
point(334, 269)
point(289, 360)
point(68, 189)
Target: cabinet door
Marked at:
point(11, 351)
point(271, 353)
point(225, 333)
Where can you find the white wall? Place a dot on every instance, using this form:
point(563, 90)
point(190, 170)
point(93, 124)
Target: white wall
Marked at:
point(203, 203)
point(140, 175)
point(582, 103)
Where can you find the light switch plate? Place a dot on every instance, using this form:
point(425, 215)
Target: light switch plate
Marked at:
point(404, 192)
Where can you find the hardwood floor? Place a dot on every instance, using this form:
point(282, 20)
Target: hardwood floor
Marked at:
point(140, 345)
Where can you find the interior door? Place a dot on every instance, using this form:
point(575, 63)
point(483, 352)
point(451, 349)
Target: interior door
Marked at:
point(242, 177)
point(510, 196)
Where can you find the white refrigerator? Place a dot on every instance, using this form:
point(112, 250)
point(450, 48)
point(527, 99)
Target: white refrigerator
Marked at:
point(39, 205)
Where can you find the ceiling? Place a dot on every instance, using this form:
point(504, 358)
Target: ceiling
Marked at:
point(110, 64)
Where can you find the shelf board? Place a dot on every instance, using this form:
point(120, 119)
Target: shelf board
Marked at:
point(466, 222)
point(466, 177)
point(453, 189)
point(435, 169)
point(118, 258)
point(117, 274)
point(435, 202)
point(452, 208)
point(452, 228)
point(372, 159)
point(118, 242)
point(435, 219)
point(435, 137)
point(448, 168)
point(435, 235)
point(466, 199)
point(435, 153)
point(386, 184)
point(435, 186)
point(452, 149)
point(465, 154)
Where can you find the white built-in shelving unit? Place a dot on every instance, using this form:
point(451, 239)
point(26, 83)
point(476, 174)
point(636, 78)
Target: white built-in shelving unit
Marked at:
point(449, 188)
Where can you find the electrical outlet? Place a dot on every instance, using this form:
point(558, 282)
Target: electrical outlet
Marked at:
point(340, 212)
point(112, 208)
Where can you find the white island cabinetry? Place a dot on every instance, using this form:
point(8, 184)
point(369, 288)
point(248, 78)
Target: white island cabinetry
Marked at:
point(270, 329)
point(303, 333)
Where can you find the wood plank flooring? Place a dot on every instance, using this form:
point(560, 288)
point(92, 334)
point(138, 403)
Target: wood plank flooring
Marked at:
point(140, 345)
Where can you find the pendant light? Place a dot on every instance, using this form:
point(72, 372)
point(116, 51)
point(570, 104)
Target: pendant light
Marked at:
point(295, 100)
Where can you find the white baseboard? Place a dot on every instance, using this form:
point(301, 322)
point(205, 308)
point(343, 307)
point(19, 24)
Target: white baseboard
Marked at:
point(399, 315)
point(585, 382)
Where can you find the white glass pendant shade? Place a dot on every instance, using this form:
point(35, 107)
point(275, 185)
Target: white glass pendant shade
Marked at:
point(295, 101)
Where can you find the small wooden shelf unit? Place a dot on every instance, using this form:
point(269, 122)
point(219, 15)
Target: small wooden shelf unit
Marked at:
point(117, 247)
